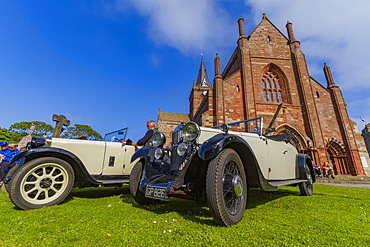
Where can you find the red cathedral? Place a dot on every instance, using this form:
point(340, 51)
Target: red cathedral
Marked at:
point(267, 76)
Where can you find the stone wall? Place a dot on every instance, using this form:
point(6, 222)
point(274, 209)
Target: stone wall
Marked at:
point(366, 135)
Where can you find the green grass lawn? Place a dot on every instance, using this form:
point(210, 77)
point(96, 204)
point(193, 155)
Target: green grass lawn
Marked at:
point(333, 216)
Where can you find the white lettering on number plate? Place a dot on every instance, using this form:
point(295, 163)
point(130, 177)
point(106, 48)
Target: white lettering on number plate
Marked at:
point(156, 193)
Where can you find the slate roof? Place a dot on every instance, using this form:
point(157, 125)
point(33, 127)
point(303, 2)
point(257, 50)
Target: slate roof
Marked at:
point(173, 117)
point(202, 76)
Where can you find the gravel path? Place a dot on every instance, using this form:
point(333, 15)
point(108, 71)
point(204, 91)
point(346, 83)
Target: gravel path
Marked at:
point(364, 186)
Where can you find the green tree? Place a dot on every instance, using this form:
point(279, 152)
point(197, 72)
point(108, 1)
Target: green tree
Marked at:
point(6, 135)
point(73, 132)
point(41, 128)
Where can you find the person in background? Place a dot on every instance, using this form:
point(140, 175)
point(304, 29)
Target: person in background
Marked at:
point(152, 129)
point(3, 150)
point(5, 166)
point(13, 150)
point(82, 136)
point(317, 170)
point(327, 170)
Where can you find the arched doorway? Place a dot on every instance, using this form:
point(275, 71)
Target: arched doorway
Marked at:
point(337, 157)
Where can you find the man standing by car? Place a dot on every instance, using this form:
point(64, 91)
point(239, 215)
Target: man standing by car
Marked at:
point(145, 141)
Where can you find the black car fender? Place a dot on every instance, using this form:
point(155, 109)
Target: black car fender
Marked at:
point(304, 160)
point(213, 146)
point(77, 165)
point(145, 153)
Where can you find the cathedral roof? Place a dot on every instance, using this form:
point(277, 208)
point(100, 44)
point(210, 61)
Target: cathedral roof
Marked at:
point(173, 117)
point(202, 76)
point(265, 19)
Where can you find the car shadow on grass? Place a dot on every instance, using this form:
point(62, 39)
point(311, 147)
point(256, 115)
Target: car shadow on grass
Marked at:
point(257, 197)
point(97, 192)
point(200, 213)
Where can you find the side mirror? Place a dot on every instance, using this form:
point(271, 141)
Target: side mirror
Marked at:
point(270, 130)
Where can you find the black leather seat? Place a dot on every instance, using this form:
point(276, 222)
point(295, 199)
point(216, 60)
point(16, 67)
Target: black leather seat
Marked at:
point(283, 137)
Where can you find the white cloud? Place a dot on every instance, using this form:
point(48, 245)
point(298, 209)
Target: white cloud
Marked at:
point(190, 26)
point(361, 107)
point(333, 31)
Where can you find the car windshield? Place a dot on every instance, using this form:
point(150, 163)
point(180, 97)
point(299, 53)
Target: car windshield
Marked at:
point(116, 136)
point(253, 125)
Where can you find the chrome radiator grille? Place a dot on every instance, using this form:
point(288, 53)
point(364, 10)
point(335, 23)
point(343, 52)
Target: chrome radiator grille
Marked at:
point(177, 138)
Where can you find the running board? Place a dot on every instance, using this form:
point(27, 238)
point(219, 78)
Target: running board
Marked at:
point(286, 182)
point(117, 181)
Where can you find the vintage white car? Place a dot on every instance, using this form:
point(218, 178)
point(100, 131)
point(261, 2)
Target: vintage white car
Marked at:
point(217, 166)
point(49, 168)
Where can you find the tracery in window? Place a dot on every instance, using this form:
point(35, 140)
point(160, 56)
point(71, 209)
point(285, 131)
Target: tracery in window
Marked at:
point(271, 87)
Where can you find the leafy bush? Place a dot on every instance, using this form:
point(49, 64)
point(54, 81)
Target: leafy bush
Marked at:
point(8, 136)
point(41, 128)
point(74, 131)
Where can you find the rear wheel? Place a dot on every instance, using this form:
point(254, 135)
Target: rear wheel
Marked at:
point(226, 188)
point(306, 188)
point(134, 183)
point(40, 183)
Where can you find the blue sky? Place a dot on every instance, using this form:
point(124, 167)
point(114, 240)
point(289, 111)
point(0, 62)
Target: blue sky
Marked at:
point(112, 64)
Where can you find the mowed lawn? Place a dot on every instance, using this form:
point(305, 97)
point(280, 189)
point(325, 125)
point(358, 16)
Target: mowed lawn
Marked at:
point(333, 216)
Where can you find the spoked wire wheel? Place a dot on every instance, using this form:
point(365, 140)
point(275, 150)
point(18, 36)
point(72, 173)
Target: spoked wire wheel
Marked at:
point(41, 182)
point(306, 188)
point(232, 187)
point(226, 188)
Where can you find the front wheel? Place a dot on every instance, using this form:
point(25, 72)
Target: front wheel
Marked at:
point(134, 184)
point(10, 173)
point(226, 188)
point(306, 188)
point(40, 183)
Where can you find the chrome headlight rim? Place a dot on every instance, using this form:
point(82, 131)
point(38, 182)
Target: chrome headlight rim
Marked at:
point(182, 149)
point(160, 140)
point(158, 153)
point(197, 133)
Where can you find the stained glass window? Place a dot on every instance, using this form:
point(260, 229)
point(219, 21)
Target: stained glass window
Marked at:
point(271, 88)
point(274, 93)
point(265, 96)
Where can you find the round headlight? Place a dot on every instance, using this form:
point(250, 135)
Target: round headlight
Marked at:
point(158, 139)
point(191, 131)
point(225, 128)
point(181, 149)
point(158, 153)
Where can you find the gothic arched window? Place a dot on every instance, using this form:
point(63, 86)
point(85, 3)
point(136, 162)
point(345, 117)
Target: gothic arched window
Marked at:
point(271, 87)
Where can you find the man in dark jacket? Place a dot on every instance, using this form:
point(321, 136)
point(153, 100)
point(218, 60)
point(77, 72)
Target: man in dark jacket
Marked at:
point(145, 141)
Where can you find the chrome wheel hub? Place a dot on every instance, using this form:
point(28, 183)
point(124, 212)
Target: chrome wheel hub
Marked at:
point(237, 185)
point(309, 179)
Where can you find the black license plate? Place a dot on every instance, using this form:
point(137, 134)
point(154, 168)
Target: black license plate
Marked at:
point(156, 193)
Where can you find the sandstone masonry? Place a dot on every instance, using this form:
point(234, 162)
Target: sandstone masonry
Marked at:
point(267, 76)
